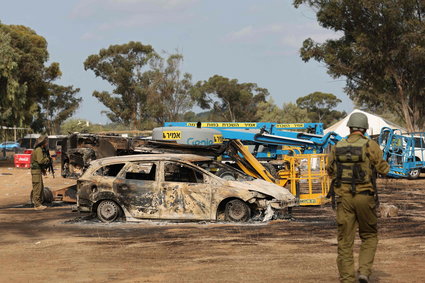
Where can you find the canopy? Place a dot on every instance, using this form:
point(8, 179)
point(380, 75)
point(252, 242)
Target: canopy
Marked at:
point(376, 123)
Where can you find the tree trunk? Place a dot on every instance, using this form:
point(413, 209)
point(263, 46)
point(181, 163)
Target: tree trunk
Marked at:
point(404, 105)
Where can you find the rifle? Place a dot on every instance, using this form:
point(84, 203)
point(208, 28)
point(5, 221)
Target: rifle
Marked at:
point(331, 194)
point(375, 187)
point(50, 165)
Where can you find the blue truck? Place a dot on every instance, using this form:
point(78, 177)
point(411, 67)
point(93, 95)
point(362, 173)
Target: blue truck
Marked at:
point(405, 152)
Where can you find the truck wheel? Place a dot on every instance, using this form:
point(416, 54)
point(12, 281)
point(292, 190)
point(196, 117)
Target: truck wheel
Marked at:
point(108, 211)
point(414, 174)
point(237, 211)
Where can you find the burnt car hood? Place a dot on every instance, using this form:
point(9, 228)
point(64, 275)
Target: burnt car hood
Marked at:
point(264, 187)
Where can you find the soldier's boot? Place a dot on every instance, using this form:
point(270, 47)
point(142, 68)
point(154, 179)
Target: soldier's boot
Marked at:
point(40, 207)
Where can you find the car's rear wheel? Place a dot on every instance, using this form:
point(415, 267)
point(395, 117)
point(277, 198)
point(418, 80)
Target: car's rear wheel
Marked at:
point(108, 211)
point(237, 211)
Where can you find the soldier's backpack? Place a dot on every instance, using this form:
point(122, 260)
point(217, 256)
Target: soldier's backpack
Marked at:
point(353, 163)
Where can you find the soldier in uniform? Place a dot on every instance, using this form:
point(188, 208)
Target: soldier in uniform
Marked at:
point(353, 163)
point(39, 163)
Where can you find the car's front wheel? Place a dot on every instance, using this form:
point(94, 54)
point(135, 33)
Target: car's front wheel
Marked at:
point(237, 211)
point(108, 211)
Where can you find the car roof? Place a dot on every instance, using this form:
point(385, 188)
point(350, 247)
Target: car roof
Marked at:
point(151, 157)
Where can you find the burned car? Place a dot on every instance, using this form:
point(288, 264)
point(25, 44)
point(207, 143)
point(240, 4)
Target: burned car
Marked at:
point(174, 187)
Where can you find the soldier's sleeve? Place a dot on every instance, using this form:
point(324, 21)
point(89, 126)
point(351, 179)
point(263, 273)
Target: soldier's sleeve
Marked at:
point(381, 166)
point(40, 157)
point(331, 165)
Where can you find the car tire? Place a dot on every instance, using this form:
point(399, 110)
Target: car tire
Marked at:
point(108, 211)
point(226, 174)
point(237, 211)
point(414, 174)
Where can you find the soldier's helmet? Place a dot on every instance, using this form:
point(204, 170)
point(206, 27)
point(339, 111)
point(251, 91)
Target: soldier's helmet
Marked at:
point(40, 140)
point(358, 120)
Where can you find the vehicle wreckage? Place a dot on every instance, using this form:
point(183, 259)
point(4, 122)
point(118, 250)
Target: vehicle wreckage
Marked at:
point(78, 150)
point(176, 187)
point(82, 151)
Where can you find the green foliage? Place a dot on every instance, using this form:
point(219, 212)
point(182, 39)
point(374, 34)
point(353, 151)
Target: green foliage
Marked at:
point(228, 99)
point(289, 113)
point(168, 89)
point(293, 114)
point(205, 116)
point(26, 88)
point(23, 54)
point(76, 125)
point(381, 52)
point(320, 106)
point(59, 105)
point(268, 111)
point(122, 66)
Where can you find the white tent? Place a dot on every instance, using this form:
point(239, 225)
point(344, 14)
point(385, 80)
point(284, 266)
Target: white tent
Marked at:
point(375, 125)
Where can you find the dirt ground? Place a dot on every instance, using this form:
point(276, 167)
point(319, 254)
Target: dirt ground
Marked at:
point(63, 246)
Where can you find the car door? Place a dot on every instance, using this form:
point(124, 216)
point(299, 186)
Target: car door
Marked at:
point(185, 192)
point(137, 189)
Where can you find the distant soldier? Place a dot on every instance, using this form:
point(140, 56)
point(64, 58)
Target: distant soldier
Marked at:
point(353, 163)
point(39, 163)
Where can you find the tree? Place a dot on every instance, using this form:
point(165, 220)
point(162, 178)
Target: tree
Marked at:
point(169, 90)
point(381, 52)
point(229, 100)
point(59, 105)
point(320, 107)
point(76, 126)
point(289, 113)
point(22, 57)
point(268, 111)
point(26, 83)
point(122, 66)
point(293, 114)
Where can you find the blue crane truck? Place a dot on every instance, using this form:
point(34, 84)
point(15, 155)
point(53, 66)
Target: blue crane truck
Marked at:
point(270, 140)
point(405, 152)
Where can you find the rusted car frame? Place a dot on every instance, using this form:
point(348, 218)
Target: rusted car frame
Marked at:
point(171, 186)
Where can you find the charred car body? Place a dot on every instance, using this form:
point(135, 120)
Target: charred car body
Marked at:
point(78, 150)
point(175, 187)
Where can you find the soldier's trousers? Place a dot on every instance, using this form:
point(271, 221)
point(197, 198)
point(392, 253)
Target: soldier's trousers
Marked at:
point(352, 211)
point(37, 187)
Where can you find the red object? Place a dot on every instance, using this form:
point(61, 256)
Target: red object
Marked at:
point(22, 160)
point(28, 151)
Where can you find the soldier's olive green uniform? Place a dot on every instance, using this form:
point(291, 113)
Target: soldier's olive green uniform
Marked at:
point(39, 162)
point(356, 207)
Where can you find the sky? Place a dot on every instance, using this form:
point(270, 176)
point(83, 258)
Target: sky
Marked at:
point(248, 40)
